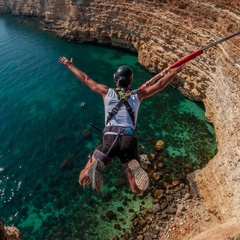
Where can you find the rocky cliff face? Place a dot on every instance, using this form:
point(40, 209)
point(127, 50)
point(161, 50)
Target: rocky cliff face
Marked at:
point(9, 233)
point(162, 32)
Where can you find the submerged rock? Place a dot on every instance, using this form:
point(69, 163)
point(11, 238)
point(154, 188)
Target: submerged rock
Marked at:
point(159, 145)
point(86, 133)
point(65, 164)
point(110, 215)
point(158, 193)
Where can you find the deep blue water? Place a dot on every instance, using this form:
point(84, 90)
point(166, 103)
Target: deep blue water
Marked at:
point(42, 124)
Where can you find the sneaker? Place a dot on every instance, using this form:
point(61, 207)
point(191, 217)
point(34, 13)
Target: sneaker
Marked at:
point(140, 176)
point(94, 174)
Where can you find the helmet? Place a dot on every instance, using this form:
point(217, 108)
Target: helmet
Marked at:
point(123, 77)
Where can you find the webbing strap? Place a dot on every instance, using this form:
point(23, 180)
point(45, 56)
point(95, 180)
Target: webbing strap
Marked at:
point(114, 110)
point(124, 101)
point(130, 111)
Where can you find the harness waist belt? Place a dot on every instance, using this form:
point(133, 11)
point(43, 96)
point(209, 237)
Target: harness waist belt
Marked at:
point(118, 130)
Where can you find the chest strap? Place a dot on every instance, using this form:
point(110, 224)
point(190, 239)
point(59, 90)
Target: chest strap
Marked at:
point(123, 100)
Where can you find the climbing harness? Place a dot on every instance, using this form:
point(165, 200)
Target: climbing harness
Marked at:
point(123, 100)
point(116, 130)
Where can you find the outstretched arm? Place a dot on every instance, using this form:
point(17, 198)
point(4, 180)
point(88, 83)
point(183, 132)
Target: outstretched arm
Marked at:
point(84, 78)
point(161, 84)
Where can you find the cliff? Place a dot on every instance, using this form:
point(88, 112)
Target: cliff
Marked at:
point(162, 32)
point(9, 233)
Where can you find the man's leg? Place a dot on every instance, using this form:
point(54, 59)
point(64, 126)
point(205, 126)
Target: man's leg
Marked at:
point(131, 180)
point(91, 174)
point(138, 179)
point(83, 176)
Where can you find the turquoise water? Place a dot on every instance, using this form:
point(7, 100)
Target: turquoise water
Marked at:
point(42, 126)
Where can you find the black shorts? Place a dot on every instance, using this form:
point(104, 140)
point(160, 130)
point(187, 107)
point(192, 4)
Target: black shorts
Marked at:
point(125, 147)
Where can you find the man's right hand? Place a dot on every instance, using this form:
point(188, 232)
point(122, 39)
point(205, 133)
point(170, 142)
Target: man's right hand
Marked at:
point(67, 63)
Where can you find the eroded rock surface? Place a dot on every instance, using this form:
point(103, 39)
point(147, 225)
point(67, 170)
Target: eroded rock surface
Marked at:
point(9, 233)
point(162, 32)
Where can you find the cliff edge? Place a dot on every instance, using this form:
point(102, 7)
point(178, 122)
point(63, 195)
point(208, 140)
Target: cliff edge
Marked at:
point(9, 233)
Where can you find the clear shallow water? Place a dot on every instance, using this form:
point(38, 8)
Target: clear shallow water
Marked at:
point(42, 124)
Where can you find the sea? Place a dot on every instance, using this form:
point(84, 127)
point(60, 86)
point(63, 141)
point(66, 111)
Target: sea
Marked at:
point(49, 123)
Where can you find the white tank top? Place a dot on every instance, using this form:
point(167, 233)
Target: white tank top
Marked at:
point(122, 117)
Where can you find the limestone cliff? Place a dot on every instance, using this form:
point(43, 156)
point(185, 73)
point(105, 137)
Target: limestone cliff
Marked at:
point(162, 32)
point(9, 233)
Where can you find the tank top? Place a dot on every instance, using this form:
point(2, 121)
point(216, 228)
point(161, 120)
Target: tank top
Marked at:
point(122, 117)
